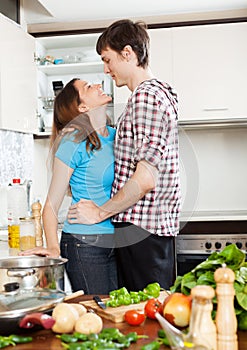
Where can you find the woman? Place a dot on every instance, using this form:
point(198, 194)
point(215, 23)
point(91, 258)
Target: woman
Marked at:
point(84, 163)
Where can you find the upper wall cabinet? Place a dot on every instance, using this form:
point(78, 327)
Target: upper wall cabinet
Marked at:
point(160, 63)
point(161, 53)
point(71, 54)
point(210, 71)
point(18, 91)
point(62, 58)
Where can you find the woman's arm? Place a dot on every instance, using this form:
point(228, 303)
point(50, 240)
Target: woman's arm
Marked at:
point(57, 190)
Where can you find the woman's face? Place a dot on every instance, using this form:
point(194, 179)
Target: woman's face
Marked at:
point(91, 95)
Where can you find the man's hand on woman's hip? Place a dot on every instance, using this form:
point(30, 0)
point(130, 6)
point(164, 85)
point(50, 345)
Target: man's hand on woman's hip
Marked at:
point(84, 212)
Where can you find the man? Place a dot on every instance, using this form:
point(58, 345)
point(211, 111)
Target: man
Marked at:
point(145, 201)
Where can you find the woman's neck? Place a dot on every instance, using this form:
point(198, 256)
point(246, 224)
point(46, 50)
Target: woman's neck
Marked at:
point(98, 120)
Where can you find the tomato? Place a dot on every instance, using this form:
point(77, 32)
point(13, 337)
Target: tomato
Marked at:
point(134, 317)
point(152, 306)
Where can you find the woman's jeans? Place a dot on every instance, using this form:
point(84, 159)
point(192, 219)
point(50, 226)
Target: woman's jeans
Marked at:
point(91, 265)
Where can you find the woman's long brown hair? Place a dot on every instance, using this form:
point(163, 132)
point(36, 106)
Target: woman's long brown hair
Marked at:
point(66, 119)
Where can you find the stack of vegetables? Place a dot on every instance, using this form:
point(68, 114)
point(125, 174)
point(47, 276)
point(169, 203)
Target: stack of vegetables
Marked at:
point(203, 274)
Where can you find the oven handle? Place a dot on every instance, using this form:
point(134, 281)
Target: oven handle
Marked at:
point(191, 257)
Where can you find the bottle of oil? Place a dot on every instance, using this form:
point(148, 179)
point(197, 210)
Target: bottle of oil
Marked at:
point(13, 231)
point(17, 208)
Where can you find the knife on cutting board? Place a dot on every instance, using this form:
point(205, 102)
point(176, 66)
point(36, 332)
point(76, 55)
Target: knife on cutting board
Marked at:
point(99, 302)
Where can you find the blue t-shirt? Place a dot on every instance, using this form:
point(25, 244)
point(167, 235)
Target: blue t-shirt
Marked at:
point(92, 177)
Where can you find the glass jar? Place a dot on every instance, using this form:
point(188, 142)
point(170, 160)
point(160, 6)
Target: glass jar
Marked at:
point(27, 233)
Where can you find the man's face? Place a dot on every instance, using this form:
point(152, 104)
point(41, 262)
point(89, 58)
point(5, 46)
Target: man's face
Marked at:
point(116, 66)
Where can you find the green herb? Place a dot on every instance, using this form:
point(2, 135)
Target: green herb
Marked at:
point(108, 338)
point(203, 273)
point(13, 339)
point(154, 345)
point(162, 338)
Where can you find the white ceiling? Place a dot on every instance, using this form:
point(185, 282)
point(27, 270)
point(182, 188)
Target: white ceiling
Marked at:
point(48, 11)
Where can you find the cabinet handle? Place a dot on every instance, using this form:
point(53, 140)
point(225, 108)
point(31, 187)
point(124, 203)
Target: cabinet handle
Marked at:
point(215, 109)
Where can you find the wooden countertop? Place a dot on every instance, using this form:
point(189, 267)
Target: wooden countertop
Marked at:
point(46, 339)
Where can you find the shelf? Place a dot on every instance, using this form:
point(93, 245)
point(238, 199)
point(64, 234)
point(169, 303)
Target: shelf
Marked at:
point(69, 41)
point(42, 135)
point(75, 68)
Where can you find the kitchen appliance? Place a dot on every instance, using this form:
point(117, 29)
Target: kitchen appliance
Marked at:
point(197, 240)
point(57, 87)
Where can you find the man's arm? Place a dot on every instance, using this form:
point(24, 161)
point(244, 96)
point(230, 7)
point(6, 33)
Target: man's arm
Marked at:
point(143, 181)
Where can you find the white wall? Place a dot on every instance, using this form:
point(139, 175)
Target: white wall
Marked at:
point(42, 176)
point(40, 170)
point(213, 165)
point(214, 169)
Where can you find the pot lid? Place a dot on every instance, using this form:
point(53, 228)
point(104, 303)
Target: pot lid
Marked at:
point(19, 304)
point(30, 261)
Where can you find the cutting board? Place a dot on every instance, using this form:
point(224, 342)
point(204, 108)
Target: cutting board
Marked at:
point(116, 314)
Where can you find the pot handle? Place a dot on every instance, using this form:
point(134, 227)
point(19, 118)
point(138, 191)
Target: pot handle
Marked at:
point(20, 273)
point(30, 320)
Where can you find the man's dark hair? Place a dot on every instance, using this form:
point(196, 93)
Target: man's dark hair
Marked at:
point(125, 32)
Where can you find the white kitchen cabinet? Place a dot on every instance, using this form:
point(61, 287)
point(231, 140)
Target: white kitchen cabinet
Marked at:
point(210, 71)
point(18, 91)
point(161, 54)
point(160, 64)
point(79, 60)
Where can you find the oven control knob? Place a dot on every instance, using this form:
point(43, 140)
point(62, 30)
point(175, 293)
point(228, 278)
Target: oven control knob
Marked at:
point(208, 245)
point(217, 245)
point(239, 245)
point(228, 243)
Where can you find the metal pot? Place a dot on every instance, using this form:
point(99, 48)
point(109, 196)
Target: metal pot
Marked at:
point(29, 272)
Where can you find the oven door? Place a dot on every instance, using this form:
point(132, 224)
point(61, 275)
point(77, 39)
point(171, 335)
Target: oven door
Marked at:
point(186, 262)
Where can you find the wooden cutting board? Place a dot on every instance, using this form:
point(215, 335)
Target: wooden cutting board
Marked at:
point(116, 314)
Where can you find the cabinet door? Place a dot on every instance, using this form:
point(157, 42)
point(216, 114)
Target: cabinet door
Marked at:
point(210, 71)
point(161, 54)
point(18, 92)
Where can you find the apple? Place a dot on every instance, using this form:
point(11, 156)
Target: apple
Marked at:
point(177, 309)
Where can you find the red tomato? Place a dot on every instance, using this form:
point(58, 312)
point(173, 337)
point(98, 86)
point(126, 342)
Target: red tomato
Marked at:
point(134, 317)
point(152, 306)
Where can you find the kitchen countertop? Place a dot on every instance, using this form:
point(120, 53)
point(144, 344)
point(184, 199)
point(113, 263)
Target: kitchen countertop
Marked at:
point(217, 215)
point(4, 248)
point(46, 339)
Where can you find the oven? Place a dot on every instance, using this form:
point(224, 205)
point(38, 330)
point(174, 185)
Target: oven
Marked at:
point(197, 241)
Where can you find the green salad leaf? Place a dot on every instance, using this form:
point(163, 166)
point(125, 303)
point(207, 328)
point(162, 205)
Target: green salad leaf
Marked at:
point(203, 274)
